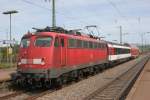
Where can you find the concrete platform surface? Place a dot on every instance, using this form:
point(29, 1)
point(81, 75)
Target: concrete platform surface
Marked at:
point(5, 74)
point(141, 88)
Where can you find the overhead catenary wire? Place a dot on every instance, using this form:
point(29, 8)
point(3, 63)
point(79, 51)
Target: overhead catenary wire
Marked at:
point(116, 8)
point(37, 5)
point(60, 13)
point(119, 12)
point(34, 4)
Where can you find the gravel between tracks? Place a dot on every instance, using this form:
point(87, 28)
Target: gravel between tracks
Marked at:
point(85, 87)
point(5, 74)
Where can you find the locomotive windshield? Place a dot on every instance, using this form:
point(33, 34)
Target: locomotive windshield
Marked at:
point(25, 42)
point(43, 41)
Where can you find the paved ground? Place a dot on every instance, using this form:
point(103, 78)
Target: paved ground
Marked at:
point(141, 89)
point(5, 73)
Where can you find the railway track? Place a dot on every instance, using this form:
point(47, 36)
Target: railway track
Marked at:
point(119, 87)
point(28, 94)
point(14, 94)
point(32, 95)
point(25, 95)
point(5, 84)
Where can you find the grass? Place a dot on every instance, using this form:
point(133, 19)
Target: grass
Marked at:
point(7, 65)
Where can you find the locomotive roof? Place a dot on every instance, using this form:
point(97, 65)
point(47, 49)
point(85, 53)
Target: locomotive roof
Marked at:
point(60, 31)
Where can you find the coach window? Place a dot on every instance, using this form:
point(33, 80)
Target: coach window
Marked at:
point(56, 44)
point(116, 50)
point(129, 51)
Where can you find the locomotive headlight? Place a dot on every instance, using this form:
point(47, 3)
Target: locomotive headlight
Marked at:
point(42, 61)
point(19, 63)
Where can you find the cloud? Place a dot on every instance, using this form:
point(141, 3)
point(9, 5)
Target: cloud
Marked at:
point(77, 14)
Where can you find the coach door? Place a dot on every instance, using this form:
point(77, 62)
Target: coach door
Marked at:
point(63, 51)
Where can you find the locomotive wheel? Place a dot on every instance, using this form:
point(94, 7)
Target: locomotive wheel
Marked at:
point(59, 82)
point(80, 75)
point(56, 83)
point(96, 70)
point(47, 84)
point(91, 71)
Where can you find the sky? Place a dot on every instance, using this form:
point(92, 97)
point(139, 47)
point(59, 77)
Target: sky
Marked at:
point(108, 15)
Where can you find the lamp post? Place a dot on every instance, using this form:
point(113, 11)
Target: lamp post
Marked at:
point(10, 13)
point(10, 34)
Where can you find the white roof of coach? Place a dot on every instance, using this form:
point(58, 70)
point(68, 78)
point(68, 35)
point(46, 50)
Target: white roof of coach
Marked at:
point(118, 46)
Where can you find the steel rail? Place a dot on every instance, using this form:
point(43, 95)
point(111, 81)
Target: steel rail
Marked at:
point(118, 88)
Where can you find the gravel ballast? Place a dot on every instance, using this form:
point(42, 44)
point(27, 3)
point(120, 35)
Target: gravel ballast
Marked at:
point(82, 89)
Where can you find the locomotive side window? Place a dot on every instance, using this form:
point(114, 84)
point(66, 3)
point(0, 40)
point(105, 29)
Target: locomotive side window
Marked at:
point(72, 43)
point(62, 43)
point(56, 43)
point(79, 44)
point(101, 46)
point(85, 44)
point(25, 43)
point(43, 41)
point(90, 45)
point(95, 45)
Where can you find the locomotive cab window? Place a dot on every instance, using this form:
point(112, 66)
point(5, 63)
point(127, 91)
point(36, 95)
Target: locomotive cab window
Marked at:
point(43, 41)
point(25, 42)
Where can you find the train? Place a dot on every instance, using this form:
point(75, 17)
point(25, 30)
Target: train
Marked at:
point(54, 55)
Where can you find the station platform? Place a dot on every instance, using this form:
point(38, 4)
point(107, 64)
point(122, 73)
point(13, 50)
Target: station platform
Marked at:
point(141, 88)
point(5, 74)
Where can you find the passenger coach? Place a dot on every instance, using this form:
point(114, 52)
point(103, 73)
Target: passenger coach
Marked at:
point(118, 52)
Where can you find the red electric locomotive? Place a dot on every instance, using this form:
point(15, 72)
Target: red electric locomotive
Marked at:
point(52, 54)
